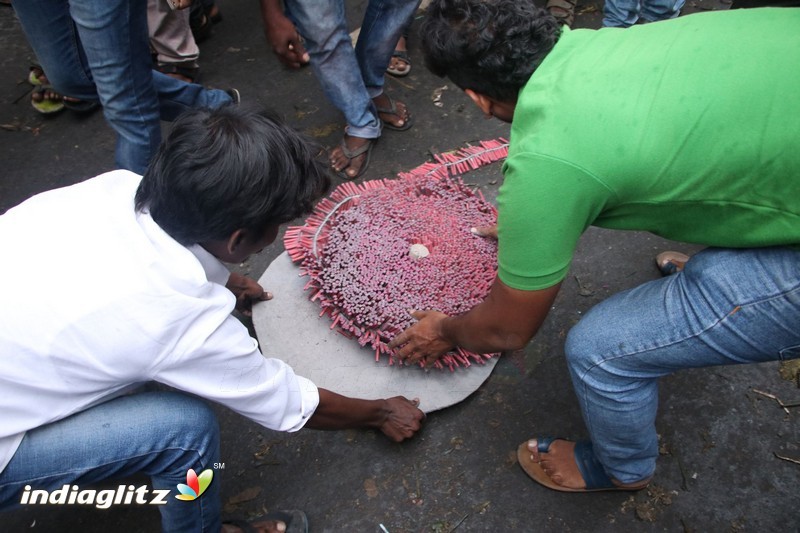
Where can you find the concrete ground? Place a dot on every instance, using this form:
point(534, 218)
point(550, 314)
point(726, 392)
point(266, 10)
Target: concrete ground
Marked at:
point(721, 437)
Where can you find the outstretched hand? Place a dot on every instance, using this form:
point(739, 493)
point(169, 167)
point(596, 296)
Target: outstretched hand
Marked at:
point(424, 341)
point(398, 418)
point(403, 418)
point(247, 291)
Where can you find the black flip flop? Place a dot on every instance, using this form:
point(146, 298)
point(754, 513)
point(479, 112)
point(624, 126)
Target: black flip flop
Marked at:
point(81, 106)
point(352, 154)
point(402, 55)
point(392, 110)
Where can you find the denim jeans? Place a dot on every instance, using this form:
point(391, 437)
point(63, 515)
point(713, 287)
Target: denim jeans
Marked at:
point(99, 49)
point(726, 307)
point(624, 13)
point(351, 78)
point(161, 434)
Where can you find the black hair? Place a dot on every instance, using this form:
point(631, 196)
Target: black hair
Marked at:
point(489, 46)
point(226, 169)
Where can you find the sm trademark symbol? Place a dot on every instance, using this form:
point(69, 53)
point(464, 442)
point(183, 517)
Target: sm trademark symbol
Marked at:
point(219, 466)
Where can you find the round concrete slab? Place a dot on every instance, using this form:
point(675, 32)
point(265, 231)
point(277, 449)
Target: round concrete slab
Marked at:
point(289, 328)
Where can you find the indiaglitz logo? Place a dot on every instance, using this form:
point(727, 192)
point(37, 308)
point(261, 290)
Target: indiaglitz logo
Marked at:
point(102, 499)
point(195, 485)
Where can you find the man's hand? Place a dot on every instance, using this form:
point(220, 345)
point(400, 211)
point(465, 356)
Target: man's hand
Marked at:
point(398, 418)
point(424, 341)
point(246, 291)
point(403, 418)
point(490, 232)
point(282, 36)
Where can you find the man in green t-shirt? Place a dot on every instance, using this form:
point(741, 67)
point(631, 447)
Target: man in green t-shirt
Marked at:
point(685, 128)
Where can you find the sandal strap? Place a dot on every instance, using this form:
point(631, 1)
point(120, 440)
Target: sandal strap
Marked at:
point(350, 154)
point(392, 110)
point(543, 443)
point(402, 54)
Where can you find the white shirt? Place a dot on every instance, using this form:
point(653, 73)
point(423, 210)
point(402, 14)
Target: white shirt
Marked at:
point(95, 297)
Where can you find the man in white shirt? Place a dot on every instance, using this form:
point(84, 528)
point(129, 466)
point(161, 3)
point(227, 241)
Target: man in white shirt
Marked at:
point(140, 294)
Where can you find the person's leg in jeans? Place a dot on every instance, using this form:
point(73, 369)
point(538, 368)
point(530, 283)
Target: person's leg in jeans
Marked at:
point(52, 34)
point(655, 10)
point(726, 307)
point(352, 78)
point(323, 25)
point(383, 25)
point(620, 13)
point(160, 434)
point(99, 49)
point(400, 62)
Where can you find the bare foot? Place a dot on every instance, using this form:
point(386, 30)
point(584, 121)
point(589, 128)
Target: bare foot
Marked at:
point(559, 463)
point(46, 94)
point(49, 94)
point(398, 118)
point(350, 165)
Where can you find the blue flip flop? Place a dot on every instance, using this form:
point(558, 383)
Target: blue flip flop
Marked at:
point(590, 468)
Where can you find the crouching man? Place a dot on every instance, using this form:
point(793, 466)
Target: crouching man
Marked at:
point(120, 280)
point(617, 129)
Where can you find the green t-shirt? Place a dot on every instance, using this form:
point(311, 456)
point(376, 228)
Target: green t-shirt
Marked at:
point(687, 128)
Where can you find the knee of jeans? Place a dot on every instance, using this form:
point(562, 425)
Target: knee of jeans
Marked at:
point(190, 423)
point(592, 340)
point(128, 117)
point(579, 347)
point(196, 414)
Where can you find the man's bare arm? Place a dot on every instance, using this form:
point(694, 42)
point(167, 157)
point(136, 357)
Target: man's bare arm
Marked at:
point(398, 418)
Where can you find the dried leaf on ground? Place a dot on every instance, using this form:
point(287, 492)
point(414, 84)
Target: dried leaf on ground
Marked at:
point(370, 487)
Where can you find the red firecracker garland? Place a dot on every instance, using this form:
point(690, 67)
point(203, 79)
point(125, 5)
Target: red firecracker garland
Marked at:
point(374, 251)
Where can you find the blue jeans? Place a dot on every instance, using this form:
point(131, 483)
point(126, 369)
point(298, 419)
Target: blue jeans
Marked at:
point(160, 434)
point(351, 78)
point(624, 13)
point(99, 49)
point(726, 307)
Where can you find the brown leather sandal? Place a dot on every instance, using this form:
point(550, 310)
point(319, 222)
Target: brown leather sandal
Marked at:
point(562, 10)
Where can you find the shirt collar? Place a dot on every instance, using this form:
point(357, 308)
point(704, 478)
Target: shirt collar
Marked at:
point(215, 270)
